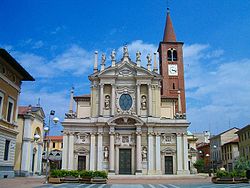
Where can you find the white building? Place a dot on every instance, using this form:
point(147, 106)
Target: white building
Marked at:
point(134, 120)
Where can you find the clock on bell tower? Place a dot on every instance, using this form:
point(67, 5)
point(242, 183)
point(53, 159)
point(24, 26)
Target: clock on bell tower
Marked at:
point(171, 66)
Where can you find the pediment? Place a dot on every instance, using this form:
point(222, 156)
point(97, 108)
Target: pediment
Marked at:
point(126, 68)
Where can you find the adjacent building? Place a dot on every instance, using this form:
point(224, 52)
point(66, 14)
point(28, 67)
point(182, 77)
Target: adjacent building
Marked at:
point(134, 119)
point(192, 152)
point(230, 153)
point(11, 76)
point(55, 152)
point(244, 142)
point(29, 141)
point(216, 143)
point(203, 152)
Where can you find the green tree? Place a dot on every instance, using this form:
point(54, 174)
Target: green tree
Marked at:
point(199, 165)
point(241, 165)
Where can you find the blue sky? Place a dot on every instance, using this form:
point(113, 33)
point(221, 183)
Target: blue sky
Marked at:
point(55, 41)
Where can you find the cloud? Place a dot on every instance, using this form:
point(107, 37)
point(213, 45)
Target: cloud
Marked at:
point(217, 94)
point(73, 61)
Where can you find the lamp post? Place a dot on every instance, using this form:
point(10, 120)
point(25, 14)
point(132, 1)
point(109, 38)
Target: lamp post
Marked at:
point(214, 158)
point(46, 130)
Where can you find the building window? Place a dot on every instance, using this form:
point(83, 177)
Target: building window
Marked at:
point(54, 144)
point(172, 55)
point(1, 103)
point(173, 86)
point(10, 110)
point(6, 150)
point(61, 145)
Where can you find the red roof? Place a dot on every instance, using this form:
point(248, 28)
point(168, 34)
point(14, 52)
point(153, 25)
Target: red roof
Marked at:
point(23, 109)
point(54, 138)
point(169, 34)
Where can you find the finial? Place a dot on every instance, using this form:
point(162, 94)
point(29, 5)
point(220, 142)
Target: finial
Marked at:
point(168, 10)
point(96, 62)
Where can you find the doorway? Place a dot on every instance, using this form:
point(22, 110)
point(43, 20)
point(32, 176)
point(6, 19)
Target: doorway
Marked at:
point(168, 165)
point(125, 161)
point(81, 163)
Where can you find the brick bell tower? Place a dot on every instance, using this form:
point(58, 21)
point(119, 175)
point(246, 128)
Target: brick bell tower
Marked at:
point(171, 67)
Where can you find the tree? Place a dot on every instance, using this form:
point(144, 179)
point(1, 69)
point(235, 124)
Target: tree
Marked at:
point(199, 165)
point(241, 166)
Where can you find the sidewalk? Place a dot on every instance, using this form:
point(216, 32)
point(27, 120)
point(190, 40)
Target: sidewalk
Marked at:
point(22, 182)
point(34, 181)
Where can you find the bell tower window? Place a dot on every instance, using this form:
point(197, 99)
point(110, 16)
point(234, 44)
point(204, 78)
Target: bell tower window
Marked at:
point(172, 54)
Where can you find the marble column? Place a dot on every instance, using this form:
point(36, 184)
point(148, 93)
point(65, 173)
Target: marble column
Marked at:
point(149, 100)
point(92, 160)
point(158, 153)
point(99, 151)
point(179, 154)
point(101, 99)
point(65, 151)
point(112, 152)
point(138, 153)
point(71, 152)
point(138, 108)
point(150, 153)
point(185, 154)
point(113, 100)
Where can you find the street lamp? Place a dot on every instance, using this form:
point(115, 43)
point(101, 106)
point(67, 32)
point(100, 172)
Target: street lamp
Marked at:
point(46, 130)
point(36, 137)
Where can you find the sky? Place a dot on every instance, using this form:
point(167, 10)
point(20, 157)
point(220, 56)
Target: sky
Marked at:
point(55, 42)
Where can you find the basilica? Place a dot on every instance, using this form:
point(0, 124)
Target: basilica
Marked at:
point(134, 120)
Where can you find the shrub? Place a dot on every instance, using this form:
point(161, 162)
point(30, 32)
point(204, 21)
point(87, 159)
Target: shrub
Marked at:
point(86, 173)
point(199, 165)
point(222, 173)
point(74, 173)
point(56, 173)
point(102, 174)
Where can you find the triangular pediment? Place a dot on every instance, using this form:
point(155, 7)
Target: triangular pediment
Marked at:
point(126, 68)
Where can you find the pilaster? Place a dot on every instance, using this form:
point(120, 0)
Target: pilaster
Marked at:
point(65, 151)
point(101, 99)
point(150, 153)
point(99, 151)
point(113, 100)
point(179, 153)
point(138, 99)
point(138, 153)
point(158, 153)
point(92, 159)
point(112, 153)
point(149, 100)
point(71, 152)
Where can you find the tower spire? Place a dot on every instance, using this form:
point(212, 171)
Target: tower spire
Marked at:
point(169, 34)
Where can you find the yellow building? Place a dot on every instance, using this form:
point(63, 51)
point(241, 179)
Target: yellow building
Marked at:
point(55, 152)
point(28, 156)
point(11, 76)
point(244, 141)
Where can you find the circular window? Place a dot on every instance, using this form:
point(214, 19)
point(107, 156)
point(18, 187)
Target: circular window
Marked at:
point(125, 101)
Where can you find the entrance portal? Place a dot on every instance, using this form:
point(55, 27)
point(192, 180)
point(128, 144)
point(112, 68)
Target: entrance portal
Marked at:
point(81, 162)
point(125, 161)
point(168, 165)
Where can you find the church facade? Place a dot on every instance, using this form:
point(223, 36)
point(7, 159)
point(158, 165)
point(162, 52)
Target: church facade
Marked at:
point(134, 120)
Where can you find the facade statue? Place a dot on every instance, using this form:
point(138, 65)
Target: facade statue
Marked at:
point(125, 51)
point(113, 55)
point(138, 56)
point(143, 102)
point(103, 59)
point(107, 102)
point(106, 153)
point(144, 154)
point(149, 58)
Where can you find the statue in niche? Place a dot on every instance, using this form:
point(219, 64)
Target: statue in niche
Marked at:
point(143, 102)
point(107, 102)
point(106, 153)
point(117, 138)
point(138, 56)
point(144, 154)
point(113, 54)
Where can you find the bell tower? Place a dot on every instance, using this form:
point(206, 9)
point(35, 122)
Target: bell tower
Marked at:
point(171, 67)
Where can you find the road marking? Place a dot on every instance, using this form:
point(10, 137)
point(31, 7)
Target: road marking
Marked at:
point(164, 186)
point(90, 185)
point(173, 186)
point(150, 185)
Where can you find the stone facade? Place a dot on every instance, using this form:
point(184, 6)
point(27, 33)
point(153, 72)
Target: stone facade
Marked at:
point(126, 125)
point(11, 76)
point(244, 142)
point(28, 156)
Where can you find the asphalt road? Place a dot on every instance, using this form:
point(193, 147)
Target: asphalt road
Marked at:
point(207, 185)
